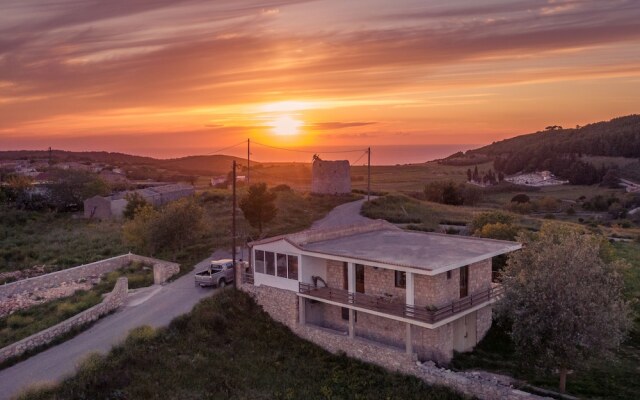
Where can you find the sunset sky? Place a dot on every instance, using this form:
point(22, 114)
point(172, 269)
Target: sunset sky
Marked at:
point(177, 77)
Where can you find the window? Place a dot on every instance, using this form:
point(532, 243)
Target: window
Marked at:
point(282, 265)
point(293, 267)
point(276, 264)
point(449, 274)
point(464, 281)
point(401, 279)
point(270, 263)
point(259, 261)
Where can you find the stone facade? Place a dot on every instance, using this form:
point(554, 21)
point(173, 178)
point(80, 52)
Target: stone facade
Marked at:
point(429, 344)
point(111, 302)
point(162, 270)
point(331, 177)
point(281, 305)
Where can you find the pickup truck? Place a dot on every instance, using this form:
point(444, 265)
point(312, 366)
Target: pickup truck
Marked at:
point(219, 273)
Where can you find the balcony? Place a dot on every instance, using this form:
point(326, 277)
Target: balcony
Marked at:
point(381, 304)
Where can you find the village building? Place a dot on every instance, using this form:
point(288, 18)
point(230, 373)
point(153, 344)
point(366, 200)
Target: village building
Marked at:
point(113, 206)
point(427, 293)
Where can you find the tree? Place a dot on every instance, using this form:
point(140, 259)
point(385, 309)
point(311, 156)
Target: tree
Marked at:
point(564, 302)
point(498, 231)
point(469, 175)
point(170, 229)
point(491, 217)
point(476, 174)
point(138, 232)
point(135, 201)
point(444, 192)
point(70, 188)
point(520, 198)
point(259, 206)
point(178, 224)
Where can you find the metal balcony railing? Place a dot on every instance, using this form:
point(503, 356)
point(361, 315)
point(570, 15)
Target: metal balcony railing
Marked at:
point(383, 305)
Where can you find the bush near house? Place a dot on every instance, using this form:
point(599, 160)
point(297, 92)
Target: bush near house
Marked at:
point(227, 347)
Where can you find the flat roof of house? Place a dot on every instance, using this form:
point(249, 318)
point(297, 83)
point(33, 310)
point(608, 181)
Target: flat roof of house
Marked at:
point(429, 251)
point(384, 243)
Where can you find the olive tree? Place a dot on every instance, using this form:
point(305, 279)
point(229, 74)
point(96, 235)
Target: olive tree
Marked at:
point(564, 301)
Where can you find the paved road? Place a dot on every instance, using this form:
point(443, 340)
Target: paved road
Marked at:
point(343, 215)
point(155, 306)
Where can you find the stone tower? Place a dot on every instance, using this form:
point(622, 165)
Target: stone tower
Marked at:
point(330, 177)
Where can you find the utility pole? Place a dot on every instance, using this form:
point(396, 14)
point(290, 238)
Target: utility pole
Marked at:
point(248, 161)
point(233, 222)
point(369, 174)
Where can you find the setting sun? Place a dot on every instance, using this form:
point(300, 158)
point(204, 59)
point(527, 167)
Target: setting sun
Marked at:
point(285, 125)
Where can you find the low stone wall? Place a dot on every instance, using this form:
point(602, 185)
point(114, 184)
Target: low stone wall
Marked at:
point(162, 271)
point(282, 306)
point(57, 278)
point(111, 302)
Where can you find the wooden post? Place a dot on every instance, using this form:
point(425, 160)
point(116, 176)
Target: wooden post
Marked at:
point(233, 220)
point(368, 173)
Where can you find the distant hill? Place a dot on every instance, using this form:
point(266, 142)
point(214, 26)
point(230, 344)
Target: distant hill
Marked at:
point(565, 151)
point(191, 165)
point(203, 165)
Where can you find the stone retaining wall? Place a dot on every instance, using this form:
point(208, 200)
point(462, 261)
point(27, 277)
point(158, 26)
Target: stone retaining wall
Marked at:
point(162, 271)
point(282, 306)
point(111, 302)
point(57, 278)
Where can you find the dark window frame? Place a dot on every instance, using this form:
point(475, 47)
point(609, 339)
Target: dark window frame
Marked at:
point(400, 279)
point(259, 264)
point(292, 267)
point(270, 264)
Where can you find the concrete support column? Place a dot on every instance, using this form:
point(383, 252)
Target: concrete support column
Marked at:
point(302, 310)
point(351, 287)
point(410, 292)
point(352, 324)
point(410, 299)
point(351, 277)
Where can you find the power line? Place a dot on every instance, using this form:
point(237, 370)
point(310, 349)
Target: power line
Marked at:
point(308, 151)
point(360, 158)
point(226, 148)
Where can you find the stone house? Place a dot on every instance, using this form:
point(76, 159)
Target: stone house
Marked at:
point(113, 206)
point(427, 293)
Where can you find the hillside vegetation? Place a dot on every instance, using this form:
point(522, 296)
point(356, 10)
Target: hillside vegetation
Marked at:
point(562, 151)
point(228, 348)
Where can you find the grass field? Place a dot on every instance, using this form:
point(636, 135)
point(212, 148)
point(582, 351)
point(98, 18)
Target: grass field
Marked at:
point(30, 238)
point(24, 323)
point(228, 348)
point(424, 215)
point(602, 380)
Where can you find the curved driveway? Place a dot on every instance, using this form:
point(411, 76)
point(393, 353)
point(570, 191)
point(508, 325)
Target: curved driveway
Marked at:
point(343, 215)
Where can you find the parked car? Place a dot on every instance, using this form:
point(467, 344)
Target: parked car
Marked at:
point(219, 273)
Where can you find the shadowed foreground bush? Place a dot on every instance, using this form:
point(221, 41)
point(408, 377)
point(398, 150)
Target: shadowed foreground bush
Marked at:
point(228, 348)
